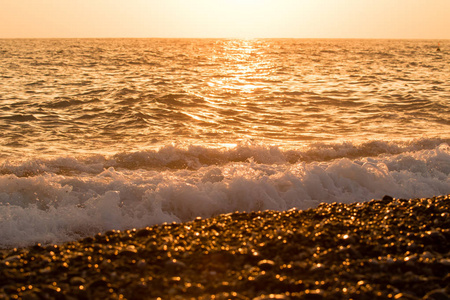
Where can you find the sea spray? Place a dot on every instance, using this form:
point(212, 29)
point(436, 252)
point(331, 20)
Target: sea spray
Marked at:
point(68, 203)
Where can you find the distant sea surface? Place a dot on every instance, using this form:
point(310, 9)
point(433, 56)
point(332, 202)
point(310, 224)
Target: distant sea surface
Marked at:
point(100, 134)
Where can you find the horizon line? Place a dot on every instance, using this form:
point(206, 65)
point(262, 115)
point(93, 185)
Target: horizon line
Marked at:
point(236, 38)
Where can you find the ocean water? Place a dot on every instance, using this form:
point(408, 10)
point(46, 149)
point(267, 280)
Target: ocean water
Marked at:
point(100, 134)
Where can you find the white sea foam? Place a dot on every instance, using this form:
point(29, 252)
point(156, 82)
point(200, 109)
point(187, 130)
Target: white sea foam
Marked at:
point(195, 157)
point(51, 201)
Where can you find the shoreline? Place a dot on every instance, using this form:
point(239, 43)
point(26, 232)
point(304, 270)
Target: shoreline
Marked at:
point(380, 249)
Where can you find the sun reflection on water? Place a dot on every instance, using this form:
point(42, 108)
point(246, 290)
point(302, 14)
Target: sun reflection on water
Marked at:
point(243, 68)
point(238, 83)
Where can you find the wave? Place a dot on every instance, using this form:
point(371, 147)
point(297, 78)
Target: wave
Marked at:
point(193, 157)
point(65, 198)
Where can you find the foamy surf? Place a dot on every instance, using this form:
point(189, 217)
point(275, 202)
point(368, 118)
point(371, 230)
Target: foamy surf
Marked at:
point(60, 199)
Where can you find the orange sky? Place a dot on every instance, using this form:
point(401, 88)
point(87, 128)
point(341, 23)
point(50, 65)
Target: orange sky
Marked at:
point(226, 18)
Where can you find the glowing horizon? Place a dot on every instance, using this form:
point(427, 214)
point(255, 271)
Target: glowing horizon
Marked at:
point(424, 19)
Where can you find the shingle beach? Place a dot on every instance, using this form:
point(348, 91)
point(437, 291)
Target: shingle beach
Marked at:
point(380, 249)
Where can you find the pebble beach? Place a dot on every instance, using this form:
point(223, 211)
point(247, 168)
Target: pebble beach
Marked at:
point(380, 249)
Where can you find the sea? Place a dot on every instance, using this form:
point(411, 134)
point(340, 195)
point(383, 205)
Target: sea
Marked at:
point(114, 134)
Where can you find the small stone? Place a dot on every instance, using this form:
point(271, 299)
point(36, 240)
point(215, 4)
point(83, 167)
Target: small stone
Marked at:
point(266, 264)
point(99, 283)
point(77, 281)
point(11, 259)
point(128, 251)
point(87, 240)
point(145, 232)
point(411, 258)
point(427, 254)
point(317, 268)
point(37, 248)
point(387, 198)
point(411, 246)
point(174, 265)
point(141, 264)
point(45, 270)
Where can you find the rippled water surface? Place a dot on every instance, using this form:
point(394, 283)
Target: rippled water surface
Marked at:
point(100, 134)
point(112, 95)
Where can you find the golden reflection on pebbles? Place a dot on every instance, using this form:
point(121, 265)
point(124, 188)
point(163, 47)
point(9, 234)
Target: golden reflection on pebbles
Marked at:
point(382, 249)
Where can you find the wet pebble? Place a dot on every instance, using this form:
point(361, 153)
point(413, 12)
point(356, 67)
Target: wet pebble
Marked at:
point(266, 264)
point(174, 265)
point(373, 250)
point(77, 281)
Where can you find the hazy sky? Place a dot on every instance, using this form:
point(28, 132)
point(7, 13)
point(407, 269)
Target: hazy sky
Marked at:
point(226, 18)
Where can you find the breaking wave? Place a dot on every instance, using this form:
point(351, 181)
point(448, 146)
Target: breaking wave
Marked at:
point(66, 198)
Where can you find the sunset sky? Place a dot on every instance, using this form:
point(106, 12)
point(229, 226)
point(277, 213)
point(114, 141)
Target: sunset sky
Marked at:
point(226, 18)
